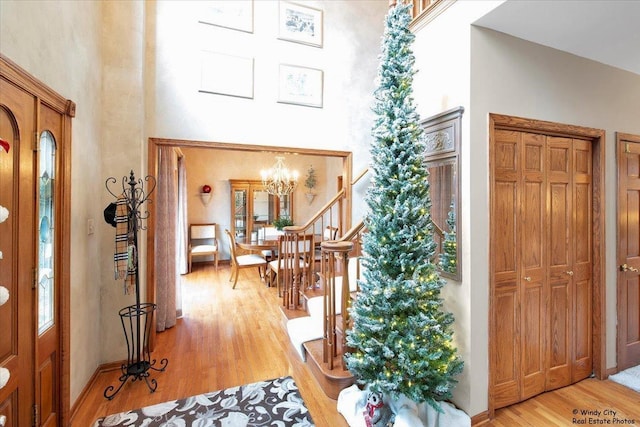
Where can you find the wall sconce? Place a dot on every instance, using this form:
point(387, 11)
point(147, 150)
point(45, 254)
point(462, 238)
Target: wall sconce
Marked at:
point(205, 194)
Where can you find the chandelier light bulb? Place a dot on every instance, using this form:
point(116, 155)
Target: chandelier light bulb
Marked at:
point(278, 180)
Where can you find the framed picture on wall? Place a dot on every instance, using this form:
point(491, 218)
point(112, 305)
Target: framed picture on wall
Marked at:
point(300, 85)
point(225, 74)
point(300, 24)
point(236, 14)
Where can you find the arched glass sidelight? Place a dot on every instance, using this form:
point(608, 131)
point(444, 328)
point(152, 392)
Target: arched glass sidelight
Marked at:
point(46, 231)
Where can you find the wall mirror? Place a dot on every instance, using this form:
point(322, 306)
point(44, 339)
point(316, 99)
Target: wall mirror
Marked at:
point(442, 156)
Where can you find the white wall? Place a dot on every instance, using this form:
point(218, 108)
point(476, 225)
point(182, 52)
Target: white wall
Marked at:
point(58, 44)
point(129, 67)
point(442, 50)
point(485, 71)
point(151, 90)
point(122, 151)
point(515, 77)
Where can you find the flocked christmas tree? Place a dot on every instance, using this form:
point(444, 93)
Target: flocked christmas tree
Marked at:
point(449, 256)
point(401, 336)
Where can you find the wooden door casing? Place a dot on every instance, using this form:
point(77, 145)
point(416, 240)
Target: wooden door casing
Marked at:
point(545, 251)
point(628, 251)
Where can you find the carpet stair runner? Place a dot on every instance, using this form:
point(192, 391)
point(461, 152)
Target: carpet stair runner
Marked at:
point(309, 328)
point(306, 335)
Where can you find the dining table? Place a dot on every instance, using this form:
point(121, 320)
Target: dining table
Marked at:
point(257, 244)
point(268, 243)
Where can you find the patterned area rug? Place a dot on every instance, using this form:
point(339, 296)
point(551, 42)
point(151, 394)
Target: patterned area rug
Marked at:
point(267, 403)
point(629, 378)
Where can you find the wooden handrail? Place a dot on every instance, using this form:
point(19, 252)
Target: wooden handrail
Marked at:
point(324, 209)
point(363, 173)
point(353, 232)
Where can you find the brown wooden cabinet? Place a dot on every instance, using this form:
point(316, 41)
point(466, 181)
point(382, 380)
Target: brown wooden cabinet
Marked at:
point(252, 208)
point(541, 264)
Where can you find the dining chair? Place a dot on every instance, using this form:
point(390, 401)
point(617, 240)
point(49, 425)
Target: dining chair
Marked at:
point(203, 242)
point(288, 257)
point(239, 262)
point(269, 233)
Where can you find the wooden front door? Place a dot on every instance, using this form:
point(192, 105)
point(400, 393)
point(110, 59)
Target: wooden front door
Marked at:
point(34, 182)
point(541, 293)
point(628, 255)
point(17, 344)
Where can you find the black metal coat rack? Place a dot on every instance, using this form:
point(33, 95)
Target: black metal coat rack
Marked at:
point(136, 319)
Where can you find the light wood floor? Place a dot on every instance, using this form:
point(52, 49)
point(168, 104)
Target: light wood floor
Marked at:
point(575, 405)
point(232, 337)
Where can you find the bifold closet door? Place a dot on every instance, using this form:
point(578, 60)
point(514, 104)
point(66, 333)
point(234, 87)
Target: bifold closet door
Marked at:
point(570, 261)
point(540, 246)
point(519, 253)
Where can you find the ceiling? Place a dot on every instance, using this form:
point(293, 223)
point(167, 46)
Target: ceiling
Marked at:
point(607, 31)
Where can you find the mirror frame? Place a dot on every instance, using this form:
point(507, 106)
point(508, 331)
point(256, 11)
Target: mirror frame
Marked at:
point(442, 138)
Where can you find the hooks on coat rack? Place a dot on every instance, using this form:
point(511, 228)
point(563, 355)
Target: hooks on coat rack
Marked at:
point(133, 191)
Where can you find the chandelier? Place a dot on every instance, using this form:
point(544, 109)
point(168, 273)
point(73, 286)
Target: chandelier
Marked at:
point(279, 180)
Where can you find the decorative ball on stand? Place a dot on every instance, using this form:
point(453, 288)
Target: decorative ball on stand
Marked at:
point(206, 188)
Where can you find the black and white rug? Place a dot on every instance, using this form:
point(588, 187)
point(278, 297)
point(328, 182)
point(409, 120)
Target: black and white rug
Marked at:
point(274, 402)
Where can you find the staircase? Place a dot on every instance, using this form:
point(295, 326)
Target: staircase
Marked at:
point(316, 314)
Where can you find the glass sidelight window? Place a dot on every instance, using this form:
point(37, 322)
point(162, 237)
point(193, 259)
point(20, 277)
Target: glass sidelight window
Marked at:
point(46, 234)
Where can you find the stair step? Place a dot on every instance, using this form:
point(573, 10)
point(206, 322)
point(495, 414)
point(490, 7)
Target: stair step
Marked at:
point(332, 381)
point(304, 329)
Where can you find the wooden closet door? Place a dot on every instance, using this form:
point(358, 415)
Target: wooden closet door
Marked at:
point(532, 223)
point(505, 290)
point(570, 261)
point(559, 264)
point(582, 277)
point(518, 245)
point(628, 256)
point(541, 293)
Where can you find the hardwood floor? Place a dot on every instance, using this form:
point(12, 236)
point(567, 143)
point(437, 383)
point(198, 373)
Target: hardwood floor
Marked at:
point(590, 401)
point(226, 338)
point(232, 337)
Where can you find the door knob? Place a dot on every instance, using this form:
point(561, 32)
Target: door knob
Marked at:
point(570, 273)
point(3, 420)
point(625, 267)
point(527, 278)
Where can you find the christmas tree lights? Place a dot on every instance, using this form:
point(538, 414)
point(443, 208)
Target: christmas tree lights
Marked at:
point(401, 336)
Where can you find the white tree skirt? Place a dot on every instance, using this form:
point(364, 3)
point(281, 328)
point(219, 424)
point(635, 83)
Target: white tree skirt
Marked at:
point(352, 400)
